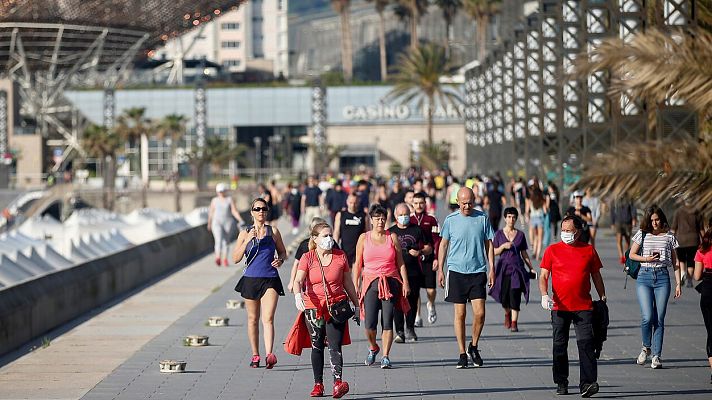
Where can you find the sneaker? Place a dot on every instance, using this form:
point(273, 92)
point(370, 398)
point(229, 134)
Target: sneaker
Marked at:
point(255, 363)
point(410, 335)
point(507, 320)
point(224, 262)
point(432, 314)
point(514, 327)
point(562, 389)
point(622, 260)
point(295, 231)
point(462, 363)
point(318, 390)
point(385, 362)
point(217, 261)
point(270, 361)
point(400, 337)
point(656, 363)
point(418, 321)
point(474, 355)
point(589, 389)
point(340, 389)
point(643, 356)
point(371, 357)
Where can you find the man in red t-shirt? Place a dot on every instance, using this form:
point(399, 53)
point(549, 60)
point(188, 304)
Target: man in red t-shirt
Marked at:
point(572, 265)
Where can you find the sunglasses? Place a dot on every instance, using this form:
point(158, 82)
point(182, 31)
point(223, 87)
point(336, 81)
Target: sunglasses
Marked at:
point(258, 209)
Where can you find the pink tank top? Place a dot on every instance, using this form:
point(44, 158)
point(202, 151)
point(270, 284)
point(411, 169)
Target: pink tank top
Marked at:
point(379, 259)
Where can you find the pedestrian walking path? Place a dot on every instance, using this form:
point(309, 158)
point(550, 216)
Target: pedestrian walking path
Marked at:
point(517, 365)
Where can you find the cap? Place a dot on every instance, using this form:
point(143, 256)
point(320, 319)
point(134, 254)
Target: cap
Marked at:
point(578, 193)
point(220, 187)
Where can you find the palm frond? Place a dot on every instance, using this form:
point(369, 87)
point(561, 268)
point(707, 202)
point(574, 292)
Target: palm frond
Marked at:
point(655, 172)
point(655, 66)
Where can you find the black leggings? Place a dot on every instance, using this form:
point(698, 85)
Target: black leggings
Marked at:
point(706, 307)
point(321, 333)
point(413, 299)
point(371, 305)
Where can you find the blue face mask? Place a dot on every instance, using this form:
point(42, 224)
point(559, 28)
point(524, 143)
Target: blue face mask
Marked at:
point(403, 219)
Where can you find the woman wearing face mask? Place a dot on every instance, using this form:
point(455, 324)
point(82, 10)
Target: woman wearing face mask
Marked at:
point(324, 272)
point(260, 285)
point(511, 278)
point(653, 282)
point(382, 279)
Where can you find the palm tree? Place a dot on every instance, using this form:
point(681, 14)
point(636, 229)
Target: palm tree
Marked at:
point(652, 67)
point(380, 6)
point(411, 11)
point(342, 7)
point(131, 126)
point(449, 9)
point(172, 129)
point(481, 11)
point(216, 152)
point(418, 79)
point(104, 144)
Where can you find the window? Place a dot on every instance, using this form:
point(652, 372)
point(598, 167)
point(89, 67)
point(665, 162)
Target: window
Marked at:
point(257, 19)
point(230, 44)
point(231, 63)
point(230, 26)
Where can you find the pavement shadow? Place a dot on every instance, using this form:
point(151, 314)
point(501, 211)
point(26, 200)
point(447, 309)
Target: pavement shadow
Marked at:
point(447, 392)
point(650, 393)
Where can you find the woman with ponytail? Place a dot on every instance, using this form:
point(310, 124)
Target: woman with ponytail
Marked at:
point(323, 278)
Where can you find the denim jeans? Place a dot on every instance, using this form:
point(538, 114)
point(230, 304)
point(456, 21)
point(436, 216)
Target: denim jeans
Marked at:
point(588, 366)
point(653, 289)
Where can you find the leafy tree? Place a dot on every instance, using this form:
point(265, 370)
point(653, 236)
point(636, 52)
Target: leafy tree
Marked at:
point(343, 8)
point(131, 126)
point(449, 9)
point(104, 144)
point(172, 129)
point(481, 11)
point(216, 152)
point(411, 11)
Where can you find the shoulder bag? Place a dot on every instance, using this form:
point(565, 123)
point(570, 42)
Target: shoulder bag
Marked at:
point(632, 267)
point(340, 311)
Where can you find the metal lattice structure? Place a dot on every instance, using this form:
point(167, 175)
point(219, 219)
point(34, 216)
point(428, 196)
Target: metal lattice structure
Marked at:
point(49, 45)
point(549, 123)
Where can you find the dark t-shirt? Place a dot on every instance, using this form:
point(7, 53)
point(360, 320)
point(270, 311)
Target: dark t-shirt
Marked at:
point(352, 226)
point(410, 237)
point(495, 202)
point(304, 248)
point(312, 196)
point(335, 200)
point(394, 199)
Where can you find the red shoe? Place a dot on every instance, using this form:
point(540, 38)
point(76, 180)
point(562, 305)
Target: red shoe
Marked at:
point(507, 320)
point(340, 389)
point(255, 362)
point(318, 390)
point(217, 261)
point(224, 262)
point(270, 361)
point(514, 326)
point(622, 260)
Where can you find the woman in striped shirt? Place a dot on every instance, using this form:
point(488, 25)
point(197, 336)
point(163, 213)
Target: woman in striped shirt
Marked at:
point(653, 282)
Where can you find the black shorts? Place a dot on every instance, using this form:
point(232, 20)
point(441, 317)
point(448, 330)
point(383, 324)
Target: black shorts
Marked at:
point(461, 288)
point(430, 277)
point(686, 255)
point(254, 288)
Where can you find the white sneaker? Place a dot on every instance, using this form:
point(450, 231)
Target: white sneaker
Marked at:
point(432, 313)
point(418, 322)
point(643, 356)
point(656, 363)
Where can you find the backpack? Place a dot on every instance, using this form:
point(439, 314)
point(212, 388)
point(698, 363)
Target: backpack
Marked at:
point(631, 266)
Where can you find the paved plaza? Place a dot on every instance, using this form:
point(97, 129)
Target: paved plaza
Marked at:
point(517, 365)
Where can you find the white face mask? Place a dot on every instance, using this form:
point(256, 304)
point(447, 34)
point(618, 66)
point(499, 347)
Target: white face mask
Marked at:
point(294, 191)
point(568, 237)
point(325, 243)
point(403, 219)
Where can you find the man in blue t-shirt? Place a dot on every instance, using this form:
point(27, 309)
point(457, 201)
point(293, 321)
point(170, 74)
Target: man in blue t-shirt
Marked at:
point(466, 248)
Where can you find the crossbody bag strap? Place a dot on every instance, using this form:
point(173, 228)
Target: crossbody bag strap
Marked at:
point(323, 279)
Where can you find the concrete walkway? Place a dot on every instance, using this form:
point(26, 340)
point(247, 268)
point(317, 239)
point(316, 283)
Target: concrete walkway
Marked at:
point(517, 365)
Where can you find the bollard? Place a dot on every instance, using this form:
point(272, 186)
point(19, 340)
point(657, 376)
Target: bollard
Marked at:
point(195, 340)
point(235, 304)
point(218, 321)
point(172, 366)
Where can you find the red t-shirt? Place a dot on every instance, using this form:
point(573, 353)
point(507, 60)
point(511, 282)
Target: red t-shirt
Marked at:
point(334, 274)
point(704, 258)
point(571, 267)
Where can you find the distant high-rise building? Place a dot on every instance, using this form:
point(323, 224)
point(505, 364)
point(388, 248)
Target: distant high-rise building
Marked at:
point(253, 36)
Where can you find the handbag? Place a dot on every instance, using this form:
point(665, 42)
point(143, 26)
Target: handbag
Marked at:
point(632, 267)
point(340, 311)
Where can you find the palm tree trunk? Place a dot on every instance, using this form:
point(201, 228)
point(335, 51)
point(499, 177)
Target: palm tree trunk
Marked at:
point(448, 27)
point(414, 26)
point(176, 177)
point(382, 46)
point(430, 121)
point(481, 38)
point(109, 182)
point(346, 45)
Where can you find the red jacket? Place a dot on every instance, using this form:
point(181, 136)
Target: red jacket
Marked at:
point(298, 337)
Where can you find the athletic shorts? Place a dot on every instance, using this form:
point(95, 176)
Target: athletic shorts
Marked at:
point(254, 288)
point(461, 288)
point(686, 255)
point(430, 277)
point(536, 222)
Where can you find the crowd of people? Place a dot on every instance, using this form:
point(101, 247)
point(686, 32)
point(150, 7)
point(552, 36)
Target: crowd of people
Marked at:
point(375, 245)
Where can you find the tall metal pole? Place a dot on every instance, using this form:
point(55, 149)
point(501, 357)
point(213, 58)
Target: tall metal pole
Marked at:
point(318, 127)
point(201, 127)
point(4, 149)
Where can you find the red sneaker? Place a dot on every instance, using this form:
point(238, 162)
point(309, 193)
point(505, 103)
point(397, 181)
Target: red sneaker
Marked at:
point(507, 320)
point(318, 390)
point(514, 326)
point(224, 262)
point(340, 389)
point(255, 362)
point(270, 361)
point(622, 260)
